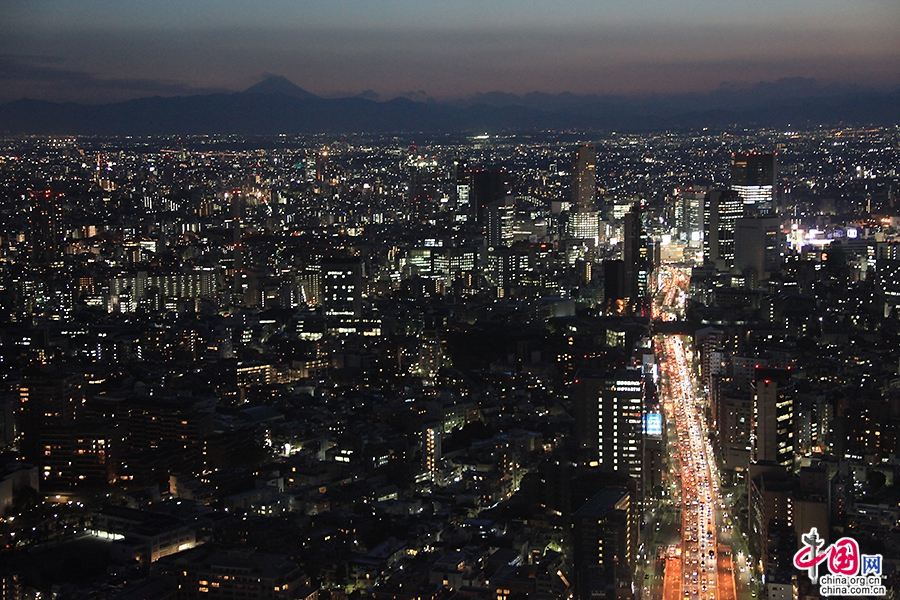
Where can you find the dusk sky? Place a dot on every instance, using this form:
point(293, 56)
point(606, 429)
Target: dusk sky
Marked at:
point(105, 50)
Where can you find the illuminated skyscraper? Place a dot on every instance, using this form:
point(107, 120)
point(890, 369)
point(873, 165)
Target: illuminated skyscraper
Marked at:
point(499, 217)
point(322, 167)
point(721, 211)
point(237, 283)
point(431, 449)
point(584, 226)
point(463, 183)
point(753, 178)
point(772, 434)
point(689, 214)
point(46, 221)
point(422, 192)
point(887, 280)
point(637, 259)
point(584, 178)
point(609, 420)
point(583, 221)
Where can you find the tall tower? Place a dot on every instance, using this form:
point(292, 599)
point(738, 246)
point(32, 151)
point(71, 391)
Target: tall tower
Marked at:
point(721, 211)
point(46, 221)
point(584, 178)
point(772, 434)
point(753, 178)
point(637, 259)
point(499, 218)
point(237, 287)
point(463, 184)
point(322, 166)
point(431, 449)
point(422, 192)
point(615, 290)
point(485, 186)
point(689, 214)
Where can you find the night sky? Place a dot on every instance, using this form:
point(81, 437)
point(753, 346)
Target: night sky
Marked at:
point(105, 50)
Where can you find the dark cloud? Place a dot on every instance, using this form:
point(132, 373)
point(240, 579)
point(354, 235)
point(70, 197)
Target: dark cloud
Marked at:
point(29, 75)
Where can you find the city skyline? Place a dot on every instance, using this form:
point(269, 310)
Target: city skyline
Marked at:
point(100, 52)
point(510, 300)
point(506, 367)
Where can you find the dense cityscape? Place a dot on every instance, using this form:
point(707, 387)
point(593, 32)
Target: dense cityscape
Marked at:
point(542, 365)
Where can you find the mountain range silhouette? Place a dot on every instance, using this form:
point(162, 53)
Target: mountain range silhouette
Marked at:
point(276, 105)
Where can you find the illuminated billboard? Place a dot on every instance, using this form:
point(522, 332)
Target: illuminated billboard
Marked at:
point(653, 424)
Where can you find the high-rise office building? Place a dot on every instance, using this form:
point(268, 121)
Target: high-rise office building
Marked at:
point(615, 293)
point(584, 226)
point(689, 214)
point(887, 277)
point(342, 287)
point(584, 178)
point(772, 434)
point(463, 185)
point(309, 286)
point(637, 259)
point(499, 218)
point(422, 192)
point(322, 165)
point(583, 221)
point(721, 210)
point(757, 245)
point(46, 226)
point(753, 178)
point(481, 187)
point(734, 418)
point(238, 281)
point(609, 417)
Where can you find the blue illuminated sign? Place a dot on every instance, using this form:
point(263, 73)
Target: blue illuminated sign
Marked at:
point(653, 424)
